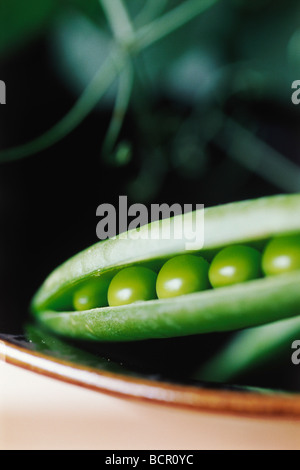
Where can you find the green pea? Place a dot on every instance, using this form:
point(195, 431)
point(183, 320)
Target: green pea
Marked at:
point(92, 294)
point(235, 264)
point(282, 255)
point(131, 285)
point(181, 275)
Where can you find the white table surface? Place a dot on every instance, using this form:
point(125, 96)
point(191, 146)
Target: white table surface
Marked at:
point(38, 412)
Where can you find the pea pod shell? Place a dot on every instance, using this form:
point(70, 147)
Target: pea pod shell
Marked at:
point(240, 306)
point(253, 303)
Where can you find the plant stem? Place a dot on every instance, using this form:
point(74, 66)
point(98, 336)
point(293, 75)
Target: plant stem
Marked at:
point(121, 105)
point(151, 10)
point(171, 21)
point(119, 20)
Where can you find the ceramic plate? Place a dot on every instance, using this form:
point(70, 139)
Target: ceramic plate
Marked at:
point(157, 371)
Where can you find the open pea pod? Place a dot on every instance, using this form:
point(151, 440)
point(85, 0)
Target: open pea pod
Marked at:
point(247, 304)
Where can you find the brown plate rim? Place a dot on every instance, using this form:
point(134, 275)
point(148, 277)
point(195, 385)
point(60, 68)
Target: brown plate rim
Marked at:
point(243, 403)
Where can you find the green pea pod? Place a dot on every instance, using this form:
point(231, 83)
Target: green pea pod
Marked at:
point(250, 349)
point(246, 304)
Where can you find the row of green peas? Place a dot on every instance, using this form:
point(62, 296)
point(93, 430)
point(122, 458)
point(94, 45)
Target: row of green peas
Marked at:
point(189, 273)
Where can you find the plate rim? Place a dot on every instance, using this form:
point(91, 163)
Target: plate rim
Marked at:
point(246, 403)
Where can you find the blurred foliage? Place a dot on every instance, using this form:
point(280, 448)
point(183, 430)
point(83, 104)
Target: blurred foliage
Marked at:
point(212, 60)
